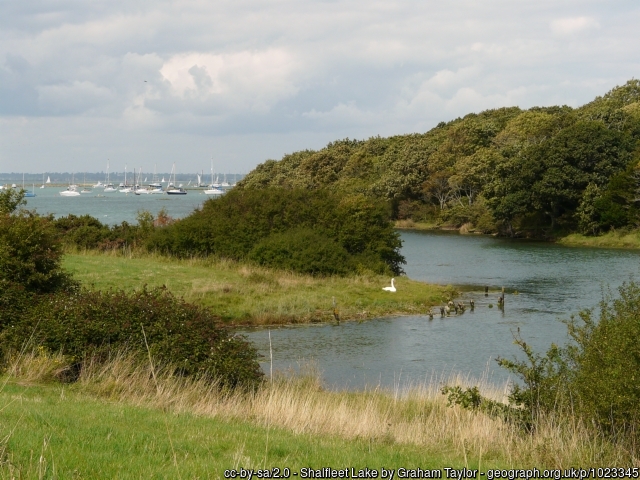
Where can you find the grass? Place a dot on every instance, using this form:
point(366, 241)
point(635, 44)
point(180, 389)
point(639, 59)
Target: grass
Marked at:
point(613, 239)
point(245, 294)
point(126, 420)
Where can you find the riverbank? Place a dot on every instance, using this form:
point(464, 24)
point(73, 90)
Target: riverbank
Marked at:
point(243, 294)
point(123, 420)
point(615, 239)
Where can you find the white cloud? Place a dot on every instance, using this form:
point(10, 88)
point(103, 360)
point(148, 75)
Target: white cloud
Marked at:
point(243, 80)
point(278, 71)
point(572, 25)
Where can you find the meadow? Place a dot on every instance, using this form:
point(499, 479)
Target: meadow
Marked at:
point(125, 419)
point(243, 294)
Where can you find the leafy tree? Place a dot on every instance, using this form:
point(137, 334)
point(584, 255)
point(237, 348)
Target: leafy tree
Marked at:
point(233, 225)
point(30, 248)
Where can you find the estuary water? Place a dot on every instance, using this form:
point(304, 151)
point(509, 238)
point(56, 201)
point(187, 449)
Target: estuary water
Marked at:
point(544, 284)
point(552, 282)
point(113, 208)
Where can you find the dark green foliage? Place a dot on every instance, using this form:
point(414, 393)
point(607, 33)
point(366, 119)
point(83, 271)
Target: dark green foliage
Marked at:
point(530, 168)
point(234, 225)
point(595, 378)
point(88, 324)
point(607, 363)
point(30, 253)
point(302, 250)
point(85, 232)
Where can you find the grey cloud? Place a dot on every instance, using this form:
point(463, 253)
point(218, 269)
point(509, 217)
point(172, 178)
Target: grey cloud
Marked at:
point(290, 69)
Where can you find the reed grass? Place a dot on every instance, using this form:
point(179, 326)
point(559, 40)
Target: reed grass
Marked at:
point(415, 422)
point(245, 294)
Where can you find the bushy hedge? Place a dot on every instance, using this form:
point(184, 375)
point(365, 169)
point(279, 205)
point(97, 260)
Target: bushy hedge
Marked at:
point(30, 253)
point(41, 305)
point(86, 324)
point(264, 224)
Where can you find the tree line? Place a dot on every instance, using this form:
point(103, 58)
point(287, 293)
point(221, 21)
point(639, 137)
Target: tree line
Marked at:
point(534, 172)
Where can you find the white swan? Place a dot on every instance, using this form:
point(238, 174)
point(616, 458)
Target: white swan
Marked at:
point(392, 288)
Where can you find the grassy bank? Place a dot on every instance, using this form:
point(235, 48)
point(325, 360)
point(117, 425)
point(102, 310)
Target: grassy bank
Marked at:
point(244, 294)
point(124, 420)
point(96, 430)
point(615, 239)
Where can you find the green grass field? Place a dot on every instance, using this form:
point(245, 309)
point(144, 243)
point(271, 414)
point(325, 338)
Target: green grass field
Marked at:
point(244, 294)
point(59, 432)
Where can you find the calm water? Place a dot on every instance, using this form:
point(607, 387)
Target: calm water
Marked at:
point(113, 208)
point(552, 282)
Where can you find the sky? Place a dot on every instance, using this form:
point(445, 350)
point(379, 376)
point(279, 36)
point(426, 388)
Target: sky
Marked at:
point(236, 82)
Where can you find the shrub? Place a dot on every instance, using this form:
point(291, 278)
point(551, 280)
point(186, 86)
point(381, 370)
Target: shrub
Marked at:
point(84, 231)
point(31, 253)
point(235, 224)
point(87, 324)
point(606, 356)
point(302, 250)
point(594, 378)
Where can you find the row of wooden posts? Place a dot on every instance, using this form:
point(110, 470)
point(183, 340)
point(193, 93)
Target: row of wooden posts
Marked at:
point(445, 310)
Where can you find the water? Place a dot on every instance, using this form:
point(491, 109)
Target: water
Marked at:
point(113, 208)
point(552, 282)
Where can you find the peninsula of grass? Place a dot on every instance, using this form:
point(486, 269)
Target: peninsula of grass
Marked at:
point(244, 294)
point(612, 239)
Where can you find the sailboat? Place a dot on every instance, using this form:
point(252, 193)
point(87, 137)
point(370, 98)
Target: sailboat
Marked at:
point(27, 193)
point(212, 190)
point(155, 186)
point(42, 181)
point(171, 188)
point(109, 188)
point(71, 191)
point(84, 188)
point(124, 188)
point(48, 179)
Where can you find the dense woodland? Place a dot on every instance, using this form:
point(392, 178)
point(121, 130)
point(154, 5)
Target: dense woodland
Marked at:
point(536, 172)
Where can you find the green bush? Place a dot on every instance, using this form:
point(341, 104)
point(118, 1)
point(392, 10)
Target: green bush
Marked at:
point(235, 224)
point(31, 253)
point(302, 250)
point(594, 378)
point(606, 356)
point(86, 324)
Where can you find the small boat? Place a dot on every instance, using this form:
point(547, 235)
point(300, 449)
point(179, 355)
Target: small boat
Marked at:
point(28, 193)
point(109, 188)
point(213, 188)
point(124, 188)
point(71, 191)
point(171, 188)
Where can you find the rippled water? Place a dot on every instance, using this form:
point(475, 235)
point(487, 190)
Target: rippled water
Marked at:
point(552, 282)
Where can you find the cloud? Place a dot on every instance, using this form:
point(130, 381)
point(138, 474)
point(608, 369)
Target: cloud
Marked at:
point(573, 25)
point(244, 80)
point(134, 75)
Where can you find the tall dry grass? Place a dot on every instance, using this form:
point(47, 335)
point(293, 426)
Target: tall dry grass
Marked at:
point(418, 415)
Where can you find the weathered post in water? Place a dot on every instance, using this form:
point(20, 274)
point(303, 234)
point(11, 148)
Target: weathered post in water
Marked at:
point(336, 314)
point(501, 300)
